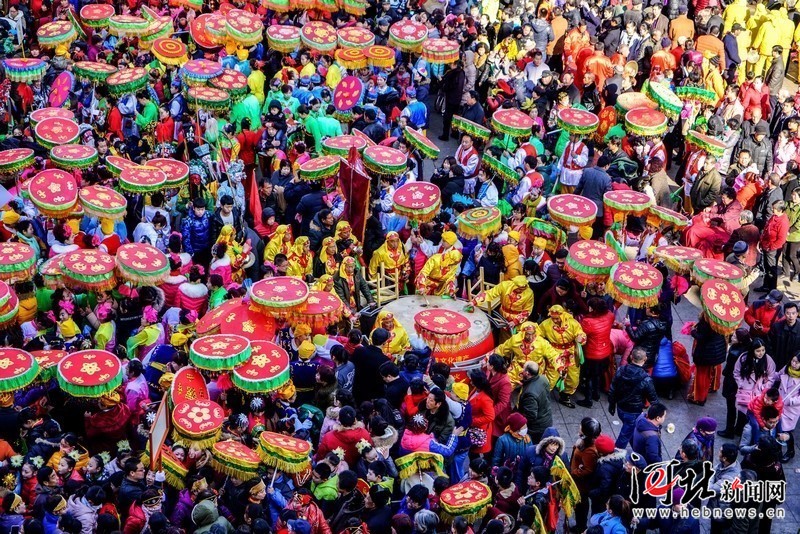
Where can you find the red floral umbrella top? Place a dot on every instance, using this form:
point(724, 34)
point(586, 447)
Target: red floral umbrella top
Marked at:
point(409, 30)
point(57, 130)
point(593, 254)
point(574, 206)
point(279, 292)
point(417, 195)
point(718, 269)
point(54, 188)
point(723, 300)
point(679, 253)
point(243, 21)
point(266, 361)
point(198, 32)
point(638, 276)
point(88, 262)
point(200, 416)
point(385, 155)
point(646, 118)
point(347, 93)
point(88, 368)
point(319, 32)
point(441, 321)
point(14, 155)
point(513, 118)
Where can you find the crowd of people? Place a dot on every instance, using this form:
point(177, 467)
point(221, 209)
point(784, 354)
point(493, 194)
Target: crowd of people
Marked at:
point(368, 393)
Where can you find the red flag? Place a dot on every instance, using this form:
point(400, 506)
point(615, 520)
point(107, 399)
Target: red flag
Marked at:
point(355, 184)
point(255, 208)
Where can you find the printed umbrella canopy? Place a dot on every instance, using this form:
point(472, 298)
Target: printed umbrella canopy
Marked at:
point(238, 318)
point(73, 156)
point(142, 179)
point(723, 305)
point(320, 310)
point(170, 51)
point(89, 373)
point(633, 202)
point(90, 269)
point(235, 459)
point(142, 264)
point(512, 122)
point(24, 69)
point(197, 422)
point(54, 193)
point(18, 369)
point(48, 361)
point(286, 453)
point(635, 284)
point(679, 259)
point(319, 36)
point(590, 261)
point(17, 262)
point(407, 35)
point(479, 222)
point(102, 202)
point(417, 201)
point(572, 210)
point(266, 371)
point(15, 159)
point(94, 71)
point(56, 131)
point(283, 38)
point(707, 268)
point(219, 352)
point(279, 295)
point(177, 171)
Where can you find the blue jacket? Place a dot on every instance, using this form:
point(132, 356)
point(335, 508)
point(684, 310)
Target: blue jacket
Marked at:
point(611, 524)
point(665, 363)
point(646, 440)
point(535, 456)
point(509, 449)
point(196, 233)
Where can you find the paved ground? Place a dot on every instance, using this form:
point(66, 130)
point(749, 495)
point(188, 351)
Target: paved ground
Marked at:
point(681, 413)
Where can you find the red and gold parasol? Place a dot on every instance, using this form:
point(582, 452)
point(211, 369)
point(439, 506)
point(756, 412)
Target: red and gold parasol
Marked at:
point(512, 122)
point(646, 122)
point(266, 371)
point(723, 305)
point(380, 56)
point(55, 131)
point(127, 81)
point(283, 38)
point(706, 143)
point(440, 51)
point(96, 15)
point(102, 201)
point(48, 361)
point(286, 453)
point(219, 352)
point(235, 459)
point(668, 102)
point(353, 7)
point(59, 32)
point(407, 35)
point(160, 28)
point(51, 272)
point(117, 164)
point(197, 422)
point(17, 262)
point(279, 296)
point(444, 330)
point(355, 37)
point(217, 28)
point(177, 171)
point(577, 121)
point(635, 284)
point(9, 311)
point(421, 142)
point(73, 156)
point(632, 100)
point(590, 261)
point(320, 310)
point(94, 71)
point(142, 179)
point(199, 71)
point(236, 317)
point(90, 269)
point(470, 500)
point(142, 264)
point(417, 201)
point(351, 58)
point(479, 222)
point(49, 113)
point(54, 193)
point(460, 124)
point(244, 27)
point(60, 90)
point(385, 160)
point(679, 259)
point(15, 159)
point(232, 82)
point(89, 373)
point(197, 30)
point(668, 217)
point(127, 25)
point(319, 36)
point(572, 210)
point(320, 168)
point(188, 384)
point(707, 268)
point(341, 145)
point(18, 369)
point(346, 95)
point(633, 202)
point(208, 98)
point(170, 51)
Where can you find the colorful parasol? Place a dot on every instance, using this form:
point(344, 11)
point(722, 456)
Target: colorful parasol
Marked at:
point(460, 124)
point(668, 217)
point(632, 100)
point(278, 296)
point(89, 373)
point(188, 384)
point(199, 71)
point(440, 51)
point(18, 369)
point(707, 268)
point(320, 168)
point(9, 311)
point(24, 69)
point(512, 122)
point(15, 159)
point(353, 7)
point(479, 222)
point(415, 462)
point(17, 262)
point(117, 164)
point(49, 113)
point(177, 171)
point(704, 142)
point(142, 179)
point(208, 98)
point(232, 82)
point(421, 142)
point(96, 15)
point(160, 28)
point(244, 27)
point(102, 202)
point(380, 56)
point(54, 193)
point(320, 310)
point(55, 131)
point(355, 37)
point(590, 261)
point(142, 264)
point(50, 270)
point(347, 94)
point(690, 93)
point(197, 422)
point(417, 201)
point(90, 269)
point(442, 329)
point(279, 6)
point(149, 13)
point(286, 453)
point(351, 58)
point(668, 102)
point(238, 318)
point(679, 259)
point(470, 500)
point(385, 160)
point(127, 25)
point(341, 145)
point(627, 201)
point(219, 352)
point(723, 305)
point(197, 30)
point(73, 156)
point(127, 81)
point(217, 28)
point(362, 135)
point(60, 90)
point(283, 38)
point(175, 472)
point(646, 122)
point(195, 5)
point(319, 36)
point(170, 51)
point(572, 210)
point(266, 371)
point(56, 33)
point(235, 459)
point(5, 293)
point(506, 173)
point(48, 361)
point(94, 71)
point(577, 121)
point(407, 35)
point(635, 284)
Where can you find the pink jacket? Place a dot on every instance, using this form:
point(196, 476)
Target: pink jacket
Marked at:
point(790, 393)
point(193, 297)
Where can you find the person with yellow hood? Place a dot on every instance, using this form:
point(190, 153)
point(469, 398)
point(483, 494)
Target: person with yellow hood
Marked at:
point(392, 255)
point(516, 300)
point(565, 334)
point(528, 345)
point(398, 342)
point(256, 81)
point(438, 276)
point(736, 12)
point(281, 243)
point(768, 35)
point(713, 78)
point(327, 261)
point(786, 28)
point(346, 243)
point(323, 283)
point(301, 260)
point(351, 288)
point(513, 265)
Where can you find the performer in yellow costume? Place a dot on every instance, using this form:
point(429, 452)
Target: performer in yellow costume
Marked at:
point(768, 35)
point(281, 243)
point(512, 256)
point(301, 260)
point(736, 12)
point(327, 256)
point(237, 252)
point(563, 332)
point(398, 342)
point(392, 254)
point(528, 345)
point(516, 300)
point(438, 276)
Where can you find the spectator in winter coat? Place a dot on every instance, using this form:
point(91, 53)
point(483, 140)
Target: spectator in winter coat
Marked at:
point(610, 467)
point(630, 389)
point(710, 350)
point(583, 465)
point(784, 336)
point(648, 334)
point(346, 436)
point(647, 435)
point(196, 230)
point(703, 433)
point(509, 449)
point(760, 148)
point(597, 350)
point(542, 454)
point(762, 313)
point(500, 383)
point(772, 240)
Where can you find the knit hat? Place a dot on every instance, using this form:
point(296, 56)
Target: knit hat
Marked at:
point(302, 329)
point(516, 421)
point(461, 390)
point(636, 460)
point(306, 350)
point(379, 336)
point(604, 444)
point(706, 424)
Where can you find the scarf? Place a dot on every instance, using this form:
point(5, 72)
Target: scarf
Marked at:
point(518, 437)
point(792, 372)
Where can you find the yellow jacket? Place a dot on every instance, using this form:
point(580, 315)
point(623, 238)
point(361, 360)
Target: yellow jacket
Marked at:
point(564, 337)
point(758, 17)
point(276, 245)
point(513, 265)
point(768, 35)
point(713, 81)
point(83, 459)
point(439, 272)
point(786, 29)
point(382, 255)
point(256, 82)
point(333, 77)
point(516, 308)
point(517, 352)
point(736, 12)
point(399, 341)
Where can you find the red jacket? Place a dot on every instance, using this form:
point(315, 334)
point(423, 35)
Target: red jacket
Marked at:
point(483, 418)
point(757, 404)
point(598, 336)
point(346, 439)
point(775, 232)
point(501, 396)
point(766, 315)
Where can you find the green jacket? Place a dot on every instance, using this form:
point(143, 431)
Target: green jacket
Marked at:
point(534, 404)
point(793, 212)
point(205, 514)
point(148, 115)
point(327, 491)
point(329, 127)
point(312, 127)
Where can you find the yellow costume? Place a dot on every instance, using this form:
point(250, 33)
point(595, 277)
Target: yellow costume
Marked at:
point(528, 345)
point(334, 76)
point(324, 283)
point(301, 260)
point(713, 80)
point(392, 254)
point(735, 12)
point(516, 299)
point(511, 256)
point(236, 252)
point(398, 342)
point(438, 276)
point(786, 28)
point(327, 256)
point(767, 36)
point(80, 463)
point(563, 338)
point(344, 232)
point(279, 244)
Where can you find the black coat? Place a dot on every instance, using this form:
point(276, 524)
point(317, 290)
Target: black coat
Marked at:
point(784, 342)
point(729, 387)
point(367, 381)
point(710, 347)
point(217, 223)
point(308, 208)
point(607, 475)
point(630, 388)
point(762, 210)
point(760, 152)
point(342, 288)
point(317, 232)
point(453, 87)
point(648, 335)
